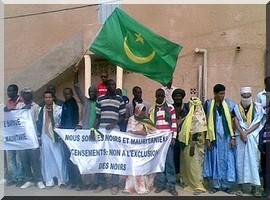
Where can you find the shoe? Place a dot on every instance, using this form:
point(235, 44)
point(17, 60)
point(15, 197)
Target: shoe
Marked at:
point(78, 188)
point(62, 186)
point(11, 182)
point(27, 185)
point(213, 190)
point(114, 190)
point(239, 193)
point(19, 183)
point(40, 185)
point(125, 191)
point(228, 191)
point(50, 183)
point(159, 189)
point(99, 189)
point(173, 192)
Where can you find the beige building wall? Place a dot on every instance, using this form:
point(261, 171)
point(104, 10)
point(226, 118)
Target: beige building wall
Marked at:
point(43, 40)
point(216, 28)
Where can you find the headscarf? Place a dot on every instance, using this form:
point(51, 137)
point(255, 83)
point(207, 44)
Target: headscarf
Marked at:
point(179, 91)
point(138, 109)
point(245, 102)
point(244, 90)
point(187, 128)
point(143, 119)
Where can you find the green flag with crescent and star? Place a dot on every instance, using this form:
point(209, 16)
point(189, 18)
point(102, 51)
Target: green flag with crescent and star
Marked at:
point(130, 45)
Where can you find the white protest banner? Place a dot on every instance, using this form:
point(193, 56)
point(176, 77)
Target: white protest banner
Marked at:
point(117, 152)
point(19, 130)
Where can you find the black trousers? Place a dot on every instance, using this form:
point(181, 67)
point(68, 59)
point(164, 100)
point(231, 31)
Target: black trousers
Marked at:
point(74, 175)
point(265, 166)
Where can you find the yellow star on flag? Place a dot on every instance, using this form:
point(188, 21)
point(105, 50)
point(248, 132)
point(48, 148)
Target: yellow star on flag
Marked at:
point(139, 38)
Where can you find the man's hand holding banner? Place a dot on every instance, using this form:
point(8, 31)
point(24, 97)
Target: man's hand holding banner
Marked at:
point(19, 130)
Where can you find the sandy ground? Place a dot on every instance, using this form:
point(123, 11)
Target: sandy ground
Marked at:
point(56, 191)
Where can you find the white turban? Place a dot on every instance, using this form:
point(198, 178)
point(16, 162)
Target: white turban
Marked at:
point(245, 90)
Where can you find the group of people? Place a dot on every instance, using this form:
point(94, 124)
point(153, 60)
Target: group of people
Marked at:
point(215, 144)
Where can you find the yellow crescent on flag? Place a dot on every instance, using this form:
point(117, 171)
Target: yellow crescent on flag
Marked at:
point(137, 59)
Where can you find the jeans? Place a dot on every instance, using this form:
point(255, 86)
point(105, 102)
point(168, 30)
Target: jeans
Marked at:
point(168, 176)
point(101, 180)
point(5, 165)
point(30, 159)
point(15, 166)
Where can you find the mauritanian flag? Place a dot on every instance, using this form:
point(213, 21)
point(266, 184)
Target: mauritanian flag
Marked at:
point(130, 45)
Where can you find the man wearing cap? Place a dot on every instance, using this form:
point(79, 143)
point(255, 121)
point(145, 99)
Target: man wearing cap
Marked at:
point(30, 158)
point(219, 161)
point(248, 123)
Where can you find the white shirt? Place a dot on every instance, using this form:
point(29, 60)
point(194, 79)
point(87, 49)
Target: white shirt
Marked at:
point(261, 98)
point(34, 111)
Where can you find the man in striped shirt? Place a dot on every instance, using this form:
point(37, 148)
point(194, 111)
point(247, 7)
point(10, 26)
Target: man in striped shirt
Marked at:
point(164, 118)
point(110, 111)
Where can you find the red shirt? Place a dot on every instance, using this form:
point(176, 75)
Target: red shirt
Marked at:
point(13, 104)
point(161, 124)
point(102, 89)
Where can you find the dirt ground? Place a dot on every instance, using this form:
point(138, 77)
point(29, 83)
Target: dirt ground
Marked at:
point(56, 191)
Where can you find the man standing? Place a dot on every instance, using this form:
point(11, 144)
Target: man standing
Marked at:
point(102, 87)
point(219, 162)
point(13, 159)
point(52, 89)
point(264, 144)
point(137, 99)
point(123, 124)
point(70, 120)
point(88, 117)
point(31, 157)
point(110, 111)
point(163, 116)
point(52, 156)
point(88, 104)
point(263, 97)
point(168, 92)
point(248, 123)
point(181, 110)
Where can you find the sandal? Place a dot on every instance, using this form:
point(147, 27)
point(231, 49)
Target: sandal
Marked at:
point(254, 191)
point(228, 191)
point(239, 193)
point(213, 191)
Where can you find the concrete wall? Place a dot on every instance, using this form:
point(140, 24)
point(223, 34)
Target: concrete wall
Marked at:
point(217, 28)
point(43, 40)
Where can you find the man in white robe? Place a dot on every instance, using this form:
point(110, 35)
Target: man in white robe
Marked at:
point(248, 123)
point(52, 155)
